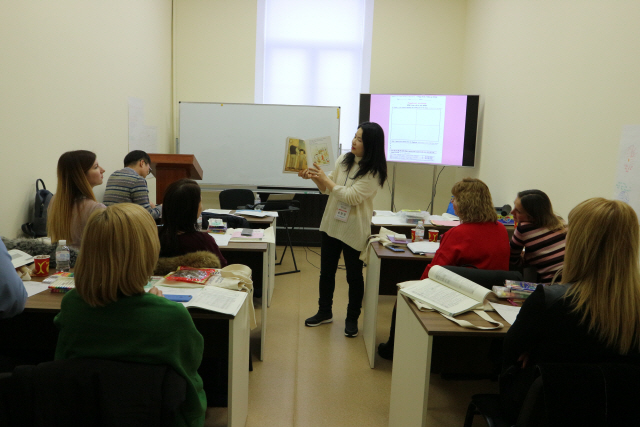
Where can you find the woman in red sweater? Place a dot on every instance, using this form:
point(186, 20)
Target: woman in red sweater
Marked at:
point(478, 242)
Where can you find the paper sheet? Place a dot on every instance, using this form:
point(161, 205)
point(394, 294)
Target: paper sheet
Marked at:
point(218, 211)
point(508, 312)
point(387, 220)
point(221, 239)
point(35, 287)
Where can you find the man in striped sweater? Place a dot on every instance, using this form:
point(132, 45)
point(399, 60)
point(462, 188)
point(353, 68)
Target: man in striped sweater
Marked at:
point(129, 185)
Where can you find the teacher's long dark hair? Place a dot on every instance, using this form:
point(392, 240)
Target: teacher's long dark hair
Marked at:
point(374, 161)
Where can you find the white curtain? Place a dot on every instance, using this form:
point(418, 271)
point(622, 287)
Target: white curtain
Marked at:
point(315, 52)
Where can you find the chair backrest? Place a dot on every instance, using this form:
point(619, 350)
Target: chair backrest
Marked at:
point(232, 198)
point(485, 278)
point(580, 394)
point(91, 392)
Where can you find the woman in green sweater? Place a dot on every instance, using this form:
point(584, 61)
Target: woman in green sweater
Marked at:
point(110, 316)
point(346, 223)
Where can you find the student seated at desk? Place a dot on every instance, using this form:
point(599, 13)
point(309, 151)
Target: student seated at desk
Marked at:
point(180, 234)
point(13, 295)
point(541, 234)
point(478, 242)
point(129, 185)
point(109, 316)
point(78, 173)
point(595, 315)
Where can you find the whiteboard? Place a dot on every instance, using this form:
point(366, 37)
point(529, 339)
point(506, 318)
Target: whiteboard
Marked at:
point(244, 144)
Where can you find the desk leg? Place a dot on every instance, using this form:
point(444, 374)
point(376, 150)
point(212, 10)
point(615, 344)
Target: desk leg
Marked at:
point(271, 248)
point(369, 323)
point(265, 297)
point(239, 331)
point(411, 370)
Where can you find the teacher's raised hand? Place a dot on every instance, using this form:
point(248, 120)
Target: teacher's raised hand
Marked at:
point(304, 174)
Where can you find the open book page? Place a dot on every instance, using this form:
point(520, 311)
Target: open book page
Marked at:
point(319, 151)
point(219, 300)
point(440, 297)
point(459, 283)
point(19, 258)
point(295, 155)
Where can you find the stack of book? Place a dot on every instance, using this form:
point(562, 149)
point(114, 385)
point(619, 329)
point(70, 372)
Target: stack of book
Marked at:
point(217, 226)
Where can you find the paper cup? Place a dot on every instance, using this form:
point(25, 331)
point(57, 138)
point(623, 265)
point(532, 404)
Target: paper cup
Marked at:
point(433, 235)
point(41, 267)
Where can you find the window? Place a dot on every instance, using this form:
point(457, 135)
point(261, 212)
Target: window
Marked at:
point(315, 52)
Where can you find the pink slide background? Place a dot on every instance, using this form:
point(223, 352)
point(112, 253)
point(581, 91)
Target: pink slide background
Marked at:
point(454, 123)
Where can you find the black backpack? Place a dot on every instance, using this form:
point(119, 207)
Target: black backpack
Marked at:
point(38, 226)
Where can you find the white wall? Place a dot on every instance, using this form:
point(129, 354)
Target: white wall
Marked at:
point(558, 79)
point(214, 56)
point(68, 68)
point(418, 47)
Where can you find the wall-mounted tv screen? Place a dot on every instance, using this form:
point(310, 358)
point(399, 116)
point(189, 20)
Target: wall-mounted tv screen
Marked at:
point(429, 129)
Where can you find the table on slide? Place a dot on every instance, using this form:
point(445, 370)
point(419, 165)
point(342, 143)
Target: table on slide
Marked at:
point(388, 268)
point(412, 357)
point(46, 305)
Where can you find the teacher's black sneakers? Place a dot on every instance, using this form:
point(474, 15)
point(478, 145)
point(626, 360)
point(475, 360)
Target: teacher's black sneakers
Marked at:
point(319, 319)
point(351, 328)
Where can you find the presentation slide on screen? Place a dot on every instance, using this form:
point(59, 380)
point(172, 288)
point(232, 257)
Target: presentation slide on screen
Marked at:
point(421, 128)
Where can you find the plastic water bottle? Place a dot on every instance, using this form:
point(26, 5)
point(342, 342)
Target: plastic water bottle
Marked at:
point(419, 232)
point(63, 257)
point(257, 202)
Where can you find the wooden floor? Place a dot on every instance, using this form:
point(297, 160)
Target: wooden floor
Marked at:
point(317, 377)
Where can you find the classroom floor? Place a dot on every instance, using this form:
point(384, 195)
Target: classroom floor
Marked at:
point(317, 377)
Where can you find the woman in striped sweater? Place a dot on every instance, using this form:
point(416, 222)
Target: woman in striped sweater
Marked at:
point(539, 238)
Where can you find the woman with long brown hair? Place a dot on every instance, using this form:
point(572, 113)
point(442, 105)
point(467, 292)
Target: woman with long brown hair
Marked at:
point(539, 238)
point(74, 201)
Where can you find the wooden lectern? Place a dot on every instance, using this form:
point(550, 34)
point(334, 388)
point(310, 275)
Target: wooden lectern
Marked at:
point(168, 168)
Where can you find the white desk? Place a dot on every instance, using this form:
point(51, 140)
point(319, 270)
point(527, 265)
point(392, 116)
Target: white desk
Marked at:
point(412, 358)
point(239, 332)
point(380, 261)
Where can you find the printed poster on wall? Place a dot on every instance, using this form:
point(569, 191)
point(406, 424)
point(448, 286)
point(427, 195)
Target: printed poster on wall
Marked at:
point(627, 184)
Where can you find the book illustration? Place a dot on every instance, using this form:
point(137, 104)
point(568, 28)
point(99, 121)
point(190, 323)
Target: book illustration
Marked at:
point(320, 152)
point(301, 154)
point(295, 156)
point(447, 292)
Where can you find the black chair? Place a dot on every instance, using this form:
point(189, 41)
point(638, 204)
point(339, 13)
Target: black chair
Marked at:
point(287, 211)
point(485, 278)
point(91, 392)
point(236, 198)
point(569, 394)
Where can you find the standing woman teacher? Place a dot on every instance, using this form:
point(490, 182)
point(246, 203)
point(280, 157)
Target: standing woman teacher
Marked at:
point(346, 223)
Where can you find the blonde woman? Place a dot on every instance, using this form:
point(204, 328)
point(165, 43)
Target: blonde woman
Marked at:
point(74, 201)
point(478, 242)
point(109, 316)
point(595, 315)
